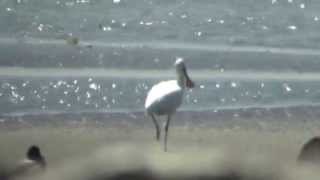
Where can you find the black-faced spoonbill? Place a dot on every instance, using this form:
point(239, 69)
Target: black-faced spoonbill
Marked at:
point(165, 97)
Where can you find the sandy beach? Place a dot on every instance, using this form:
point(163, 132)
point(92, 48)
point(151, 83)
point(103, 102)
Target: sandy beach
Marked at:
point(202, 145)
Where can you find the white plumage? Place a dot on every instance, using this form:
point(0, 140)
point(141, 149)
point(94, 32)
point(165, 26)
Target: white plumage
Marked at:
point(165, 97)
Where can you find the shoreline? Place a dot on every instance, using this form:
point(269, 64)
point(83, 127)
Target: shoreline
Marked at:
point(293, 114)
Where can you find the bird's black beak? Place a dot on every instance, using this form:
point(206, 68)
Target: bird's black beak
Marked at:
point(189, 82)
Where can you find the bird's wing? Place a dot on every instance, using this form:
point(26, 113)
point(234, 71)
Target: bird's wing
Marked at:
point(160, 91)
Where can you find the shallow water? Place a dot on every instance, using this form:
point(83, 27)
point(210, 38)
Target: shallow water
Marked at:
point(276, 23)
point(81, 94)
point(241, 54)
point(56, 77)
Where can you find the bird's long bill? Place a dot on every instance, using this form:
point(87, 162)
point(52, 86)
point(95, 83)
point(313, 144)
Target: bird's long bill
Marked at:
point(189, 82)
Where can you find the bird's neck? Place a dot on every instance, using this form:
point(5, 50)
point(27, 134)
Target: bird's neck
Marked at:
point(181, 81)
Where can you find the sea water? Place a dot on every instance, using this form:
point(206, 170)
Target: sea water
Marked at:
point(239, 53)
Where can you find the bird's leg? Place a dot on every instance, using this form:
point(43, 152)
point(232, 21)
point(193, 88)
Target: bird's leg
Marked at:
point(157, 127)
point(166, 128)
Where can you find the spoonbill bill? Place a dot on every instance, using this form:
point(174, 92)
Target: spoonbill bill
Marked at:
point(165, 97)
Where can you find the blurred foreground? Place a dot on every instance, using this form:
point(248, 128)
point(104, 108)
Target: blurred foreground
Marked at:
point(221, 150)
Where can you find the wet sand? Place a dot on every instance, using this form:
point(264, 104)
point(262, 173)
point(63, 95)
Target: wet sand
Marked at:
point(229, 144)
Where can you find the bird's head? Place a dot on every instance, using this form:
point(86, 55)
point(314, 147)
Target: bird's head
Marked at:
point(182, 72)
point(34, 154)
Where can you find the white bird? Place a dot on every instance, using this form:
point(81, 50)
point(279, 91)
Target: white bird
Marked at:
point(165, 97)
